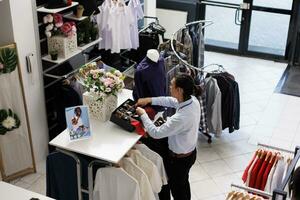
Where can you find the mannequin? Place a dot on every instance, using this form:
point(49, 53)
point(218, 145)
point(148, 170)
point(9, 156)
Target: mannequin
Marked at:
point(153, 55)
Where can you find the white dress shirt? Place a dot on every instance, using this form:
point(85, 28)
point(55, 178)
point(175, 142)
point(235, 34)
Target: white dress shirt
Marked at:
point(156, 159)
point(149, 168)
point(145, 187)
point(181, 128)
point(110, 182)
point(269, 180)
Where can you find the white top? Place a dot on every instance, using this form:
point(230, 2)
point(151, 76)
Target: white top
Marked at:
point(145, 187)
point(156, 159)
point(110, 184)
point(11, 192)
point(181, 129)
point(149, 168)
point(108, 141)
point(269, 180)
point(278, 174)
point(137, 13)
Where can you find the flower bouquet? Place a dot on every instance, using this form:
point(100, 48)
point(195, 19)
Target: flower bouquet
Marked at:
point(102, 89)
point(8, 121)
point(61, 36)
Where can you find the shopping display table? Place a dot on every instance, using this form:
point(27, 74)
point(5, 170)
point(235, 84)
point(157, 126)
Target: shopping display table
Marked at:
point(11, 192)
point(108, 142)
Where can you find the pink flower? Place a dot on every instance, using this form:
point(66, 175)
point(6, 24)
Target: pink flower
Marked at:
point(95, 76)
point(58, 19)
point(1, 66)
point(58, 25)
point(108, 81)
point(66, 28)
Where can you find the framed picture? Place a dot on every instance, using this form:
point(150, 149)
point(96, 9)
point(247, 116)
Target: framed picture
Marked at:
point(78, 123)
point(16, 153)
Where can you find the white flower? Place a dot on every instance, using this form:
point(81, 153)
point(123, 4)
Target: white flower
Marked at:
point(107, 89)
point(118, 73)
point(74, 29)
point(48, 19)
point(49, 27)
point(9, 122)
point(48, 34)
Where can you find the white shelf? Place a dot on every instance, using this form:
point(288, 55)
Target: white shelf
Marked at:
point(90, 44)
point(60, 60)
point(56, 10)
point(73, 17)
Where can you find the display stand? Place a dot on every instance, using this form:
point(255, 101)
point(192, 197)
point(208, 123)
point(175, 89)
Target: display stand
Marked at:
point(278, 193)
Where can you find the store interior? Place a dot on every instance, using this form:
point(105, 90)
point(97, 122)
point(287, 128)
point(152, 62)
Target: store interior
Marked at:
point(237, 38)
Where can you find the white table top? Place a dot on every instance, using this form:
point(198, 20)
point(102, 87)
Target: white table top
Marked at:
point(108, 142)
point(11, 192)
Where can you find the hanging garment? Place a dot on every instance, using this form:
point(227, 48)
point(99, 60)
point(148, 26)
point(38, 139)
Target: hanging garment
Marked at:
point(184, 37)
point(203, 126)
point(278, 174)
point(213, 99)
point(261, 172)
point(137, 13)
point(250, 170)
point(149, 168)
point(115, 183)
point(245, 174)
point(268, 174)
point(165, 48)
point(115, 23)
point(145, 187)
point(156, 159)
point(150, 80)
point(268, 184)
point(198, 44)
point(255, 170)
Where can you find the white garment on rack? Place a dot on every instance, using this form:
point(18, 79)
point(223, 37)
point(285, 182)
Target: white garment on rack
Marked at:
point(156, 159)
point(115, 183)
point(149, 168)
point(249, 171)
point(115, 22)
point(278, 174)
point(145, 187)
point(270, 177)
point(137, 13)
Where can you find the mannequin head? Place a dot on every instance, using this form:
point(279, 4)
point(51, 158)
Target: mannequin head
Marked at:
point(153, 55)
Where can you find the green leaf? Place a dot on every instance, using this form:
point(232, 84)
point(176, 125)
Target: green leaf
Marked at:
point(3, 114)
point(8, 57)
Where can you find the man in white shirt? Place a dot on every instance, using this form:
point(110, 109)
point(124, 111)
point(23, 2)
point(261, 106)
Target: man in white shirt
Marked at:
point(181, 130)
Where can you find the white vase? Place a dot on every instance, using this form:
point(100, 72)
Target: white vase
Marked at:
point(64, 45)
point(100, 109)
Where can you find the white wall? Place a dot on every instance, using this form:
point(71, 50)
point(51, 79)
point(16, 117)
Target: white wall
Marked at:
point(6, 31)
point(149, 10)
point(24, 22)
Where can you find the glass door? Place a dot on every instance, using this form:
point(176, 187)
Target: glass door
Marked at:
point(225, 34)
point(259, 28)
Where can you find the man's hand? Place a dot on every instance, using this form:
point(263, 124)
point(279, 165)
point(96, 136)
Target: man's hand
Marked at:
point(143, 102)
point(140, 111)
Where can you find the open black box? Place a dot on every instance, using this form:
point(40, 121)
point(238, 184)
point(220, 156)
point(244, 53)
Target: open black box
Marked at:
point(127, 111)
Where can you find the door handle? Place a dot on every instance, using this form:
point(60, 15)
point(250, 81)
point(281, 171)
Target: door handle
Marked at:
point(237, 19)
point(28, 63)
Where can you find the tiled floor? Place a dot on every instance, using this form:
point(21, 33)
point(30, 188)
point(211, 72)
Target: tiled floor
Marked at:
point(265, 117)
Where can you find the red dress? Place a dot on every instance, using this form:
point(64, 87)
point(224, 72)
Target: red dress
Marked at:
point(267, 172)
point(261, 172)
point(255, 171)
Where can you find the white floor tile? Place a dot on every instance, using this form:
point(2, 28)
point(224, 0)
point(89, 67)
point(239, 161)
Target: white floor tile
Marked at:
point(237, 163)
point(197, 173)
point(207, 154)
point(216, 168)
point(39, 186)
point(22, 184)
point(31, 178)
point(205, 189)
point(224, 182)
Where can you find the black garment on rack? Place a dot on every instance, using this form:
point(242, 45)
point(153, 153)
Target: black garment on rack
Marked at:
point(65, 97)
point(61, 176)
point(230, 102)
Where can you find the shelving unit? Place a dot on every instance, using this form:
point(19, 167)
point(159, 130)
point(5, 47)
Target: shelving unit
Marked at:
point(90, 44)
point(73, 17)
point(56, 10)
point(60, 60)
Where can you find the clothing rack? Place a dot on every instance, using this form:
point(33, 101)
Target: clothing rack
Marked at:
point(280, 191)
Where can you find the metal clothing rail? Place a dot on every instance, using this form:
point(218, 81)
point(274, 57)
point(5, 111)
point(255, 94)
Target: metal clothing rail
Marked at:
point(253, 190)
point(280, 191)
point(206, 24)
